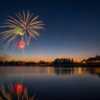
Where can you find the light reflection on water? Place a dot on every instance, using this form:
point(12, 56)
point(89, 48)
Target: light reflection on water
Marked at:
point(56, 83)
point(49, 71)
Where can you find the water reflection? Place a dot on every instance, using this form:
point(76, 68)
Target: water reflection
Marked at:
point(71, 71)
point(45, 83)
point(60, 71)
point(79, 71)
point(15, 91)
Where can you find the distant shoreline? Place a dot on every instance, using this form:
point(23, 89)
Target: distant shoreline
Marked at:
point(50, 65)
point(58, 62)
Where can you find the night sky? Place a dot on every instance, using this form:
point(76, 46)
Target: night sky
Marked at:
point(72, 27)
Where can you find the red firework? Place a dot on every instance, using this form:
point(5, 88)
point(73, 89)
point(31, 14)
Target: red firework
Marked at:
point(19, 88)
point(21, 44)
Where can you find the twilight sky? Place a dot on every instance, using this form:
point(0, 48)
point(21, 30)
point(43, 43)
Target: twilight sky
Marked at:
point(72, 27)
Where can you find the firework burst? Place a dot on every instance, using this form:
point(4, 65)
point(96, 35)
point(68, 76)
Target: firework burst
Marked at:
point(21, 25)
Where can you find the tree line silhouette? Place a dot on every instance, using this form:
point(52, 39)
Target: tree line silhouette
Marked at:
point(58, 62)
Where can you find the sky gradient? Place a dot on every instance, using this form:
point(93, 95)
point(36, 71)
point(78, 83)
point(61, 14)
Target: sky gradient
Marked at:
point(72, 27)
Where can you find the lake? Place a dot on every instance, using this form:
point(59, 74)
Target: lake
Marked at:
point(50, 83)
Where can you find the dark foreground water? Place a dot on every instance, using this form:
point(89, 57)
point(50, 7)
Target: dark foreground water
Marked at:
point(50, 83)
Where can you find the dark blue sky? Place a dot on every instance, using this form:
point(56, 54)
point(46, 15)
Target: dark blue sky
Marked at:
point(72, 26)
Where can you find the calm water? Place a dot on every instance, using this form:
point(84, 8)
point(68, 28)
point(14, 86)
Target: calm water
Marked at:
point(55, 83)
